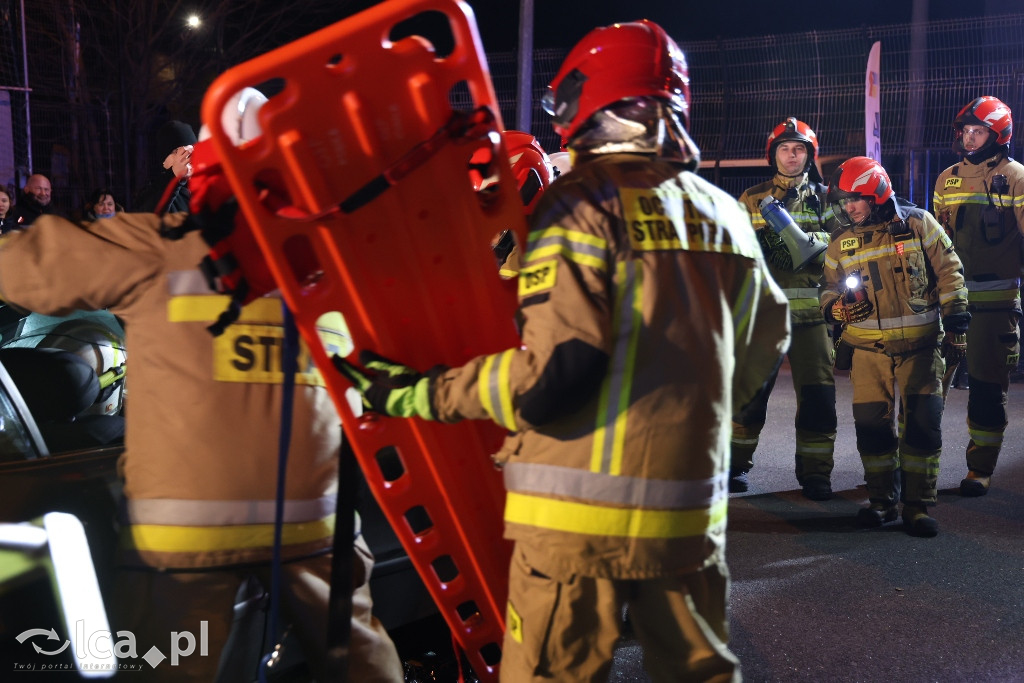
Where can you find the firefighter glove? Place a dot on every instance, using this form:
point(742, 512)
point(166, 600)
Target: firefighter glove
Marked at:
point(954, 347)
point(851, 313)
point(388, 387)
point(956, 322)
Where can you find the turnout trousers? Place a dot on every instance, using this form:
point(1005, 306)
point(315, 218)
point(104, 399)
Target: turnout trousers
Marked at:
point(909, 461)
point(810, 361)
point(152, 604)
point(566, 630)
point(993, 350)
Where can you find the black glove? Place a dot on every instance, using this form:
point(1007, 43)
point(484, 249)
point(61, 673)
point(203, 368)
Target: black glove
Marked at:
point(388, 387)
point(956, 323)
point(775, 250)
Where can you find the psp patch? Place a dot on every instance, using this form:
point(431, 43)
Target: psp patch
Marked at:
point(539, 277)
point(952, 182)
point(848, 243)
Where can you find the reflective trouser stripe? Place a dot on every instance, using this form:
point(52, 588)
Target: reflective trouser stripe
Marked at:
point(583, 518)
point(886, 462)
point(185, 539)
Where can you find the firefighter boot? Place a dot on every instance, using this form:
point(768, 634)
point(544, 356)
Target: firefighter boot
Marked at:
point(975, 484)
point(817, 488)
point(876, 514)
point(916, 521)
point(738, 481)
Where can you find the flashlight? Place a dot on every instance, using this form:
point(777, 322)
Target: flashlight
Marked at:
point(854, 288)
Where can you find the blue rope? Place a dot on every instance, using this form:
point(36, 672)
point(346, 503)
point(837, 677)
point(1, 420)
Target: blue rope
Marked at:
point(289, 366)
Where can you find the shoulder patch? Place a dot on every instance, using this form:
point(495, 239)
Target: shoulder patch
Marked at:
point(537, 278)
point(953, 182)
point(848, 243)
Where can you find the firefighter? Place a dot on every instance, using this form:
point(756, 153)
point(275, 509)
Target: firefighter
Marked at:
point(980, 202)
point(201, 451)
point(792, 152)
point(649, 318)
point(904, 307)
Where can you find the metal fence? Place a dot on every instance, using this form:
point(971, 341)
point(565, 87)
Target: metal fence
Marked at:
point(741, 89)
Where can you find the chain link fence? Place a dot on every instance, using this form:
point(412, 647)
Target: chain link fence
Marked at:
point(741, 89)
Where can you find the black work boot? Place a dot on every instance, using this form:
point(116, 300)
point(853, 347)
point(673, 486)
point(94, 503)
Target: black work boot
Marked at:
point(975, 484)
point(876, 514)
point(738, 481)
point(916, 521)
point(817, 488)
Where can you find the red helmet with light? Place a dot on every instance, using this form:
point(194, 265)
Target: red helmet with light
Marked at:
point(985, 111)
point(611, 63)
point(792, 130)
point(861, 178)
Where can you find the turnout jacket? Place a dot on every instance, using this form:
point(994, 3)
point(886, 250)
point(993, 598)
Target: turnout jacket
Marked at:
point(986, 228)
point(203, 413)
point(805, 202)
point(649, 318)
point(910, 273)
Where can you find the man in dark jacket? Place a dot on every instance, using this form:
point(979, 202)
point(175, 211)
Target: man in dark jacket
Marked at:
point(34, 202)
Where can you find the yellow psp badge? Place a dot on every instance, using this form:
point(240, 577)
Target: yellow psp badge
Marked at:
point(848, 243)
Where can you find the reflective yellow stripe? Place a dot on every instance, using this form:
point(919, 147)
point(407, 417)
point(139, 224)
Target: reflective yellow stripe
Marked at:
point(494, 388)
point(743, 309)
point(206, 308)
point(880, 463)
point(579, 247)
point(985, 438)
point(187, 539)
point(595, 520)
point(803, 304)
point(613, 400)
point(997, 295)
point(920, 464)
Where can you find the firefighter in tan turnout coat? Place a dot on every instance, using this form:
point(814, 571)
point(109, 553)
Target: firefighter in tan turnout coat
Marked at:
point(893, 280)
point(792, 150)
point(649, 319)
point(200, 463)
point(980, 203)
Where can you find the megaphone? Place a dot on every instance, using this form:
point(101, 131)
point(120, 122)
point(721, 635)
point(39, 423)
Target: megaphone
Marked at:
point(802, 246)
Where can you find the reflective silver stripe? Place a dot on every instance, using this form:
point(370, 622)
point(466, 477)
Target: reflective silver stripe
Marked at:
point(929, 316)
point(191, 282)
point(801, 293)
point(225, 512)
point(598, 487)
point(992, 285)
point(185, 282)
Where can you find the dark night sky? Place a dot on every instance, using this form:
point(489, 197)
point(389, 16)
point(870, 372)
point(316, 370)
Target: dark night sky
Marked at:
point(561, 23)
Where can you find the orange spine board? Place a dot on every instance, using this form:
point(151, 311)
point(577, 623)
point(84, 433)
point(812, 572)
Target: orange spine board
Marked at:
point(411, 271)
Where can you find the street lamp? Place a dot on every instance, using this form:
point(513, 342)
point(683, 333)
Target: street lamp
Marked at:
point(193, 21)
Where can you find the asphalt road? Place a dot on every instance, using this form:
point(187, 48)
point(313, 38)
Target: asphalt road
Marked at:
point(815, 598)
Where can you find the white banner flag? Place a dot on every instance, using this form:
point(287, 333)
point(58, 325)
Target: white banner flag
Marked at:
point(872, 96)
